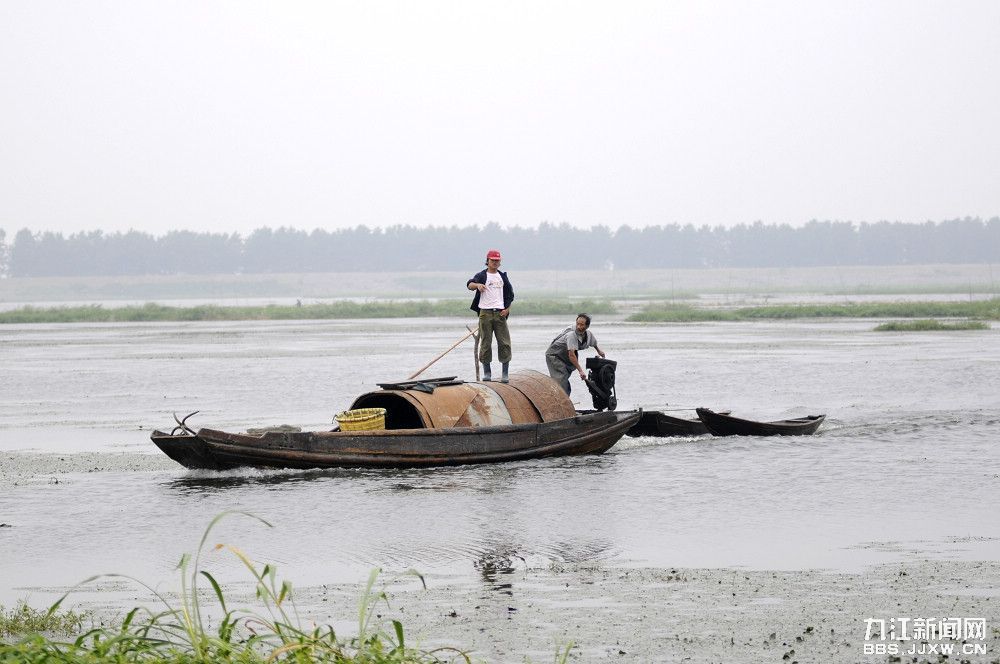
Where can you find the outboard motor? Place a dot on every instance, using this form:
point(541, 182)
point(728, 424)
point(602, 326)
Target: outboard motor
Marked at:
point(601, 382)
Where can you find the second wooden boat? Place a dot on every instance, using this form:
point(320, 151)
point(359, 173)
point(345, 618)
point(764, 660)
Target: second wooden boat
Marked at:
point(720, 424)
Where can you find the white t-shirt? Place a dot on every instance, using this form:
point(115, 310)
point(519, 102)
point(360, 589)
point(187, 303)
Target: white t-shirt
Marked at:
point(492, 297)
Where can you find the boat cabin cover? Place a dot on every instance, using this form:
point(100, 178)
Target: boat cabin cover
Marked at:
point(529, 397)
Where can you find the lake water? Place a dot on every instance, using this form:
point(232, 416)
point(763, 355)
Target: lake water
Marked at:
point(907, 464)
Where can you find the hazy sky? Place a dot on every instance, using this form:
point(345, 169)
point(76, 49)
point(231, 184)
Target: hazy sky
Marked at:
point(235, 115)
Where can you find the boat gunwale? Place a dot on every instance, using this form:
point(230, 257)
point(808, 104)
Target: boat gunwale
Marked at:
point(427, 431)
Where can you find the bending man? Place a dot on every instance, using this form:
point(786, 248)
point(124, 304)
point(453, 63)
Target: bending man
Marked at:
point(563, 353)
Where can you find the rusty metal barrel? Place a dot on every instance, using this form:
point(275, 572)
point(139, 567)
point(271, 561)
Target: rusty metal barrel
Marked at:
point(529, 397)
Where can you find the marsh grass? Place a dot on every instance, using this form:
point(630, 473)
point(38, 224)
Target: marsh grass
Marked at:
point(23, 619)
point(930, 325)
point(152, 312)
point(680, 313)
point(180, 631)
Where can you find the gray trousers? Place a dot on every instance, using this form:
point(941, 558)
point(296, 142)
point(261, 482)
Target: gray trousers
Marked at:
point(492, 323)
point(560, 370)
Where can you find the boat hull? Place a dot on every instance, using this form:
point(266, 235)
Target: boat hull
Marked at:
point(398, 448)
point(720, 424)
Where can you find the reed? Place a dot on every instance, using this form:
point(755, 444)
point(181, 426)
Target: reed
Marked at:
point(179, 631)
point(151, 312)
point(680, 313)
point(980, 309)
point(930, 325)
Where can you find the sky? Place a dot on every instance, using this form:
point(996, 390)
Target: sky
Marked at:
point(230, 116)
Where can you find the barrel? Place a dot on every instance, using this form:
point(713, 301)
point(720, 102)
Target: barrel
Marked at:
point(529, 397)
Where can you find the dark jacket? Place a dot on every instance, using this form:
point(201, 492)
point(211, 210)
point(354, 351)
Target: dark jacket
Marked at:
point(480, 278)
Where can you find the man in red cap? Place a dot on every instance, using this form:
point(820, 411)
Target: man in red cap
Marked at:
point(492, 301)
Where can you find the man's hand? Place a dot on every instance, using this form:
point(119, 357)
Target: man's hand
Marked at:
point(505, 312)
point(583, 376)
point(601, 353)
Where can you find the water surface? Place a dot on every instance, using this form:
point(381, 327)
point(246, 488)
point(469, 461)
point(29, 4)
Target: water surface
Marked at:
point(906, 465)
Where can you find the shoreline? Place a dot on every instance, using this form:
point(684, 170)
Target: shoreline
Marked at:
point(683, 283)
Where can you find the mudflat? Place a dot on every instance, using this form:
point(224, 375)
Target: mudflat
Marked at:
point(694, 615)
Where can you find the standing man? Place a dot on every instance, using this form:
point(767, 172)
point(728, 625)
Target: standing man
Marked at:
point(562, 355)
point(492, 301)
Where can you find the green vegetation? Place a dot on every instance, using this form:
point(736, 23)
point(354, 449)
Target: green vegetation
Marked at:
point(930, 325)
point(680, 313)
point(336, 310)
point(181, 632)
point(981, 309)
point(23, 619)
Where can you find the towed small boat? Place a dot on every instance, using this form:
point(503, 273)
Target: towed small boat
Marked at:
point(721, 424)
point(438, 422)
point(657, 424)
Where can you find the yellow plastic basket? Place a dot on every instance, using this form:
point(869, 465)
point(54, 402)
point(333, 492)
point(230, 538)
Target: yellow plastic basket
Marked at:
point(362, 419)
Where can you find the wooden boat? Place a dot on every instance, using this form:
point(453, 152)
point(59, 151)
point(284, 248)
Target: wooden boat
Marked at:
point(721, 424)
point(437, 422)
point(657, 424)
point(398, 448)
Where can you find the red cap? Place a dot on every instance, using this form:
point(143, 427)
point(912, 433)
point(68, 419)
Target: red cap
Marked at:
point(492, 255)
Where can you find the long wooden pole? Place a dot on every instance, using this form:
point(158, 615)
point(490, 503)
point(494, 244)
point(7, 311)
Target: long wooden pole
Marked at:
point(453, 346)
point(475, 350)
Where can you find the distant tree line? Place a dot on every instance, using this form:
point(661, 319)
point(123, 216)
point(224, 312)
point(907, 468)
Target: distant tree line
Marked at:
point(549, 246)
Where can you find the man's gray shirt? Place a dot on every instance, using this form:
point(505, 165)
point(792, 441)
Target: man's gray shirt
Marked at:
point(568, 340)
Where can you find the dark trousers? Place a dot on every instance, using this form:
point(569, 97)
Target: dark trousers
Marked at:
point(560, 370)
point(492, 323)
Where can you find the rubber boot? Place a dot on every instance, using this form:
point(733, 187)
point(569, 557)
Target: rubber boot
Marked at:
point(487, 376)
point(504, 378)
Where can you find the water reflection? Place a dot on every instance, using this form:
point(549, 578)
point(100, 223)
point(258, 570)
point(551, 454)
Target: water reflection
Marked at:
point(376, 480)
point(495, 562)
point(476, 478)
point(487, 520)
point(500, 559)
point(208, 481)
point(583, 551)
